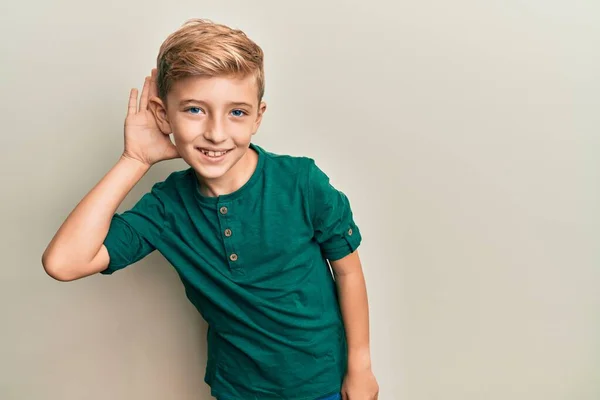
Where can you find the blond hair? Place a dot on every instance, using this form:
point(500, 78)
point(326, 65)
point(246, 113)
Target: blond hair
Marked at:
point(201, 47)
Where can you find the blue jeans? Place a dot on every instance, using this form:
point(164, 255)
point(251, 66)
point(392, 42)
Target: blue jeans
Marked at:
point(336, 396)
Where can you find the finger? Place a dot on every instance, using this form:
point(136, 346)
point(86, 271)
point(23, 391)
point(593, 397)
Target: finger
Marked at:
point(153, 87)
point(132, 106)
point(144, 98)
point(344, 395)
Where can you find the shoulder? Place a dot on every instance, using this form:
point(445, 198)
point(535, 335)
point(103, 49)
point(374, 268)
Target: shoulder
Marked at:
point(170, 189)
point(297, 168)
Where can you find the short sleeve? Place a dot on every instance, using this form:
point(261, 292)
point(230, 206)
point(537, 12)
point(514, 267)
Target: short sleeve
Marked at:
point(134, 233)
point(334, 227)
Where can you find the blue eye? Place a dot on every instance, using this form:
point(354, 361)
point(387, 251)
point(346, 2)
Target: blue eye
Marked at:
point(194, 110)
point(238, 113)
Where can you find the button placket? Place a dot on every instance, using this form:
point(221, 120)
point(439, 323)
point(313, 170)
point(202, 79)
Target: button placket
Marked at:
point(226, 222)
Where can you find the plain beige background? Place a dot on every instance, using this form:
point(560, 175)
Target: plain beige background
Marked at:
point(466, 134)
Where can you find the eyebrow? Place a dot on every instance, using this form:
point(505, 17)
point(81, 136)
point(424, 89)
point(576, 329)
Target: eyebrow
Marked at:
point(232, 103)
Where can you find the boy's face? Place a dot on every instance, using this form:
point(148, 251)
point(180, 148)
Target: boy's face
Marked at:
point(212, 120)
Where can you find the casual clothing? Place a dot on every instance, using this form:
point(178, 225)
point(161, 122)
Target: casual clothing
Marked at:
point(254, 263)
point(336, 396)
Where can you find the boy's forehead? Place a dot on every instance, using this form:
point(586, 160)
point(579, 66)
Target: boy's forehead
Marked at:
point(215, 89)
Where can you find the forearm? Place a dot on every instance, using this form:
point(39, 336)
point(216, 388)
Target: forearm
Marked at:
point(80, 237)
point(355, 312)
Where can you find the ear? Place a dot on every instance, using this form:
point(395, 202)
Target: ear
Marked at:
point(262, 107)
point(159, 110)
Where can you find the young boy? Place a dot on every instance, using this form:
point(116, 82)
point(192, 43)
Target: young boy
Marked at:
point(249, 232)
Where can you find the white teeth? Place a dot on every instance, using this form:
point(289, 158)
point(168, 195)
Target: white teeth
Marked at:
point(214, 153)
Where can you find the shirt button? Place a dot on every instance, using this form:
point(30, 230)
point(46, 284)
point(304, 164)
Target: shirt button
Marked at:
point(223, 210)
point(350, 231)
point(233, 257)
point(227, 232)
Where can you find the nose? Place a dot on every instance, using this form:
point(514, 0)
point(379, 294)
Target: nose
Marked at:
point(215, 131)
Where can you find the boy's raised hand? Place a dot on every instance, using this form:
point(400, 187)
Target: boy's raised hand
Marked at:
point(143, 140)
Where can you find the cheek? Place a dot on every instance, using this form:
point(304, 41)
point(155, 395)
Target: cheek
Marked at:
point(242, 131)
point(185, 130)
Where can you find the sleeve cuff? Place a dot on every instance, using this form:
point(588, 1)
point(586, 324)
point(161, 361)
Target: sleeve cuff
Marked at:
point(343, 245)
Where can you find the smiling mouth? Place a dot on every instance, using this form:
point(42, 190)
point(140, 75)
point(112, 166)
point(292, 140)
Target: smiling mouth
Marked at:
point(214, 154)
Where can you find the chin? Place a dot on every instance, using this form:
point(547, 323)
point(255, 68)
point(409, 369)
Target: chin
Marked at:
point(212, 168)
point(210, 172)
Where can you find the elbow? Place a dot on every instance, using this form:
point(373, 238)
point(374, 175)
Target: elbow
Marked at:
point(56, 270)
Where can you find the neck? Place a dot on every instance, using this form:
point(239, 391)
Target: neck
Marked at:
point(233, 180)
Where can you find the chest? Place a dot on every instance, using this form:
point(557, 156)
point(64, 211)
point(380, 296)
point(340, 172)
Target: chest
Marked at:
point(251, 238)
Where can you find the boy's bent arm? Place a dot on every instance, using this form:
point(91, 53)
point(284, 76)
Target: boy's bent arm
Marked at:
point(77, 249)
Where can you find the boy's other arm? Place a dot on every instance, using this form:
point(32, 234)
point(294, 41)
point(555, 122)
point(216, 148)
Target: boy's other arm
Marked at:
point(360, 382)
point(77, 249)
